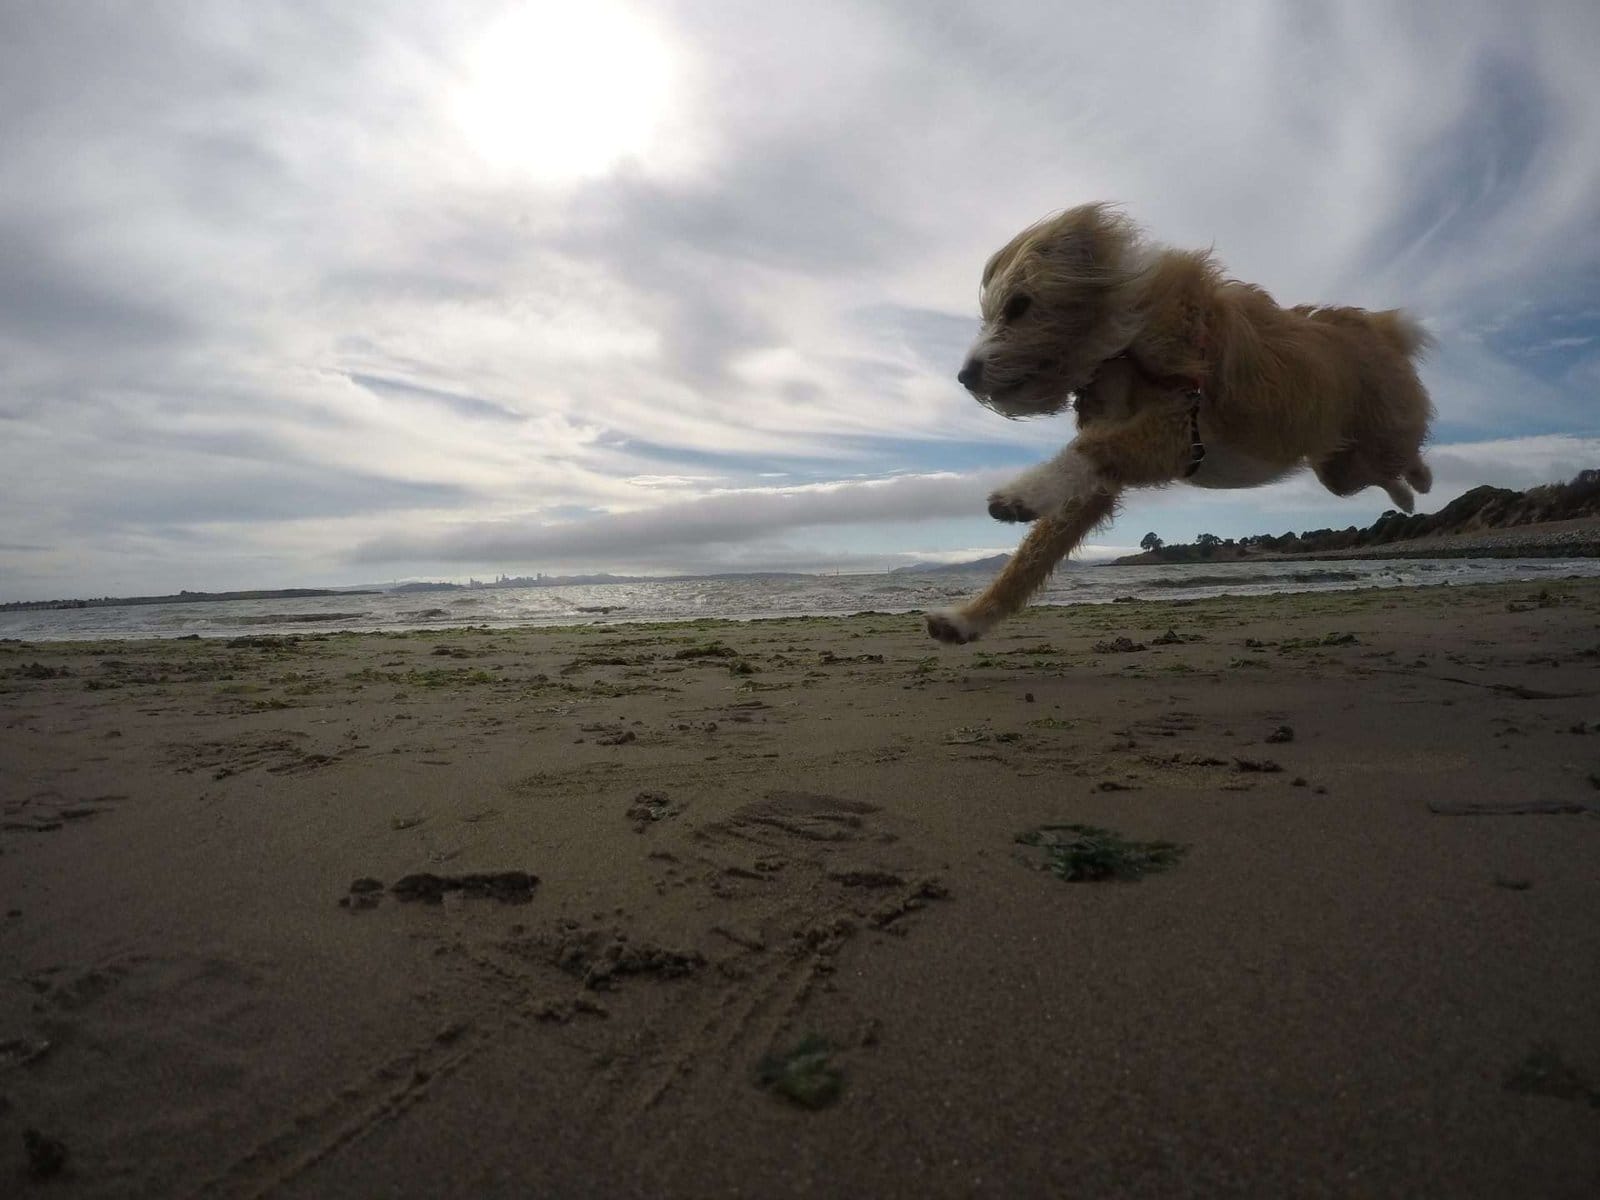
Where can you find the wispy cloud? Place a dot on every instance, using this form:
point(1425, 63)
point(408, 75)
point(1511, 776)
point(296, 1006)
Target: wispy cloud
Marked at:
point(657, 534)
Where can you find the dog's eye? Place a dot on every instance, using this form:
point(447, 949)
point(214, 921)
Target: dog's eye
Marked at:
point(1015, 307)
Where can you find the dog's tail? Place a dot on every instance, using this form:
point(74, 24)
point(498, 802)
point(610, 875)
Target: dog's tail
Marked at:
point(1402, 331)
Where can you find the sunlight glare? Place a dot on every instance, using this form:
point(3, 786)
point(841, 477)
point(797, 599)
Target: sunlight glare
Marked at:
point(560, 91)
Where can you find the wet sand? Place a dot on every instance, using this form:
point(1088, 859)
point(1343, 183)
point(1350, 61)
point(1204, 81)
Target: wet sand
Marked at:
point(549, 912)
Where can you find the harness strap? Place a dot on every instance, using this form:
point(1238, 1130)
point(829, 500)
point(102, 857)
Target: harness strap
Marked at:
point(1197, 448)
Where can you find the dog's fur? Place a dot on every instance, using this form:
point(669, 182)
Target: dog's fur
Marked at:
point(1155, 344)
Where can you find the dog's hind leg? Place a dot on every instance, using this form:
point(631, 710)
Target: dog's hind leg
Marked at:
point(1350, 470)
point(1419, 476)
point(1049, 541)
point(1401, 495)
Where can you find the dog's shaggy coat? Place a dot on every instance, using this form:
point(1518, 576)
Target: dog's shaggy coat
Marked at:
point(1179, 374)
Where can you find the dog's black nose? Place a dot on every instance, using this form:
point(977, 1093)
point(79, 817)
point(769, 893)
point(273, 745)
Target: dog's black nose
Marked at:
point(971, 375)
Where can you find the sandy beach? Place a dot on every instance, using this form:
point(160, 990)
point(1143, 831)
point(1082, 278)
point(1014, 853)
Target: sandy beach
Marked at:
point(739, 909)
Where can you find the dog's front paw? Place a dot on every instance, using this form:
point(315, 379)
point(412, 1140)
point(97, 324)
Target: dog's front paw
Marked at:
point(1003, 507)
point(952, 628)
point(1047, 490)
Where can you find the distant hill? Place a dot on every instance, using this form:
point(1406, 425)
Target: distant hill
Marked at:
point(1462, 526)
point(180, 598)
point(993, 563)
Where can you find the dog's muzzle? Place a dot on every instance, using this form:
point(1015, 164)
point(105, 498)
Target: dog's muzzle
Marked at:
point(971, 375)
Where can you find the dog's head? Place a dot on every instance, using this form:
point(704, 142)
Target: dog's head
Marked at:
point(1058, 300)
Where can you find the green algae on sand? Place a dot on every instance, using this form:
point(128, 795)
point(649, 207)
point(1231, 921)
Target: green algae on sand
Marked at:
point(1089, 854)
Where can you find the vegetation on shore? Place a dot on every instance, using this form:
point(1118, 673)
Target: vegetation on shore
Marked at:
point(1482, 510)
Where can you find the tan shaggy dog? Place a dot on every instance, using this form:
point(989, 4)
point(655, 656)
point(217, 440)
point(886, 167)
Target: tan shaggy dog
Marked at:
point(1179, 374)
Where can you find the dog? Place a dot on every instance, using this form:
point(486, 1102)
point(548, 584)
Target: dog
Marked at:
point(1179, 374)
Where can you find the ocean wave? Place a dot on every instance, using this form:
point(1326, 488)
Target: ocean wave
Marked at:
point(311, 618)
point(1199, 581)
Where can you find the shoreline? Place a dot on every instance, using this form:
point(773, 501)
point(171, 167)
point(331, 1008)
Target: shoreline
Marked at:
point(1065, 591)
point(536, 910)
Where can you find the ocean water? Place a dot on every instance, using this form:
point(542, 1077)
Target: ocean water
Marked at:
point(747, 598)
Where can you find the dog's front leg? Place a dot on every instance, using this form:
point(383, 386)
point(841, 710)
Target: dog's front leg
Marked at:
point(1048, 542)
point(1152, 447)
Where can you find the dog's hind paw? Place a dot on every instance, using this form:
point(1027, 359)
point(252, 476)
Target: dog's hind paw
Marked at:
point(952, 627)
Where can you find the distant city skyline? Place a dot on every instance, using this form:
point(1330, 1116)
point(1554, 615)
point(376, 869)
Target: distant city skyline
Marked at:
point(298, 295)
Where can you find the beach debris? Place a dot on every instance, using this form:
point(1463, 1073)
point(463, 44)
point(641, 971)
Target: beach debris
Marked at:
point(560, 1012)
point(708, 650)
point(47, 1156)
point(620, 737)
point(37, 670)
point(449, 1034)
point(1118, 645)
point(1544, 1073)
point(913, 899)
point(1283, 733)
point(648, 808)
point(739, 935)
point(803, 1074)
point(967, 735)
point(599, 960)
point(1089, 854)
point(1510, 808)
point(509, 887)
point(19, 1052)
point(1512, 885)
point(1262, 766)
point(1173, 638)
point(1544, 598)
point(601, 660)
point(866, 877)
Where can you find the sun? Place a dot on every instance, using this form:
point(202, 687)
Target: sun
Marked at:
point(561, 91)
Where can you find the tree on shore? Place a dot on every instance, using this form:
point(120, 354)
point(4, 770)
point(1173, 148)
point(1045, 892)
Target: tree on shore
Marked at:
point(1150, 542)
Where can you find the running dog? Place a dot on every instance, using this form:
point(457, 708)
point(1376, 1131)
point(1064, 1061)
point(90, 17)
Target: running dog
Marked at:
point(1180, 375)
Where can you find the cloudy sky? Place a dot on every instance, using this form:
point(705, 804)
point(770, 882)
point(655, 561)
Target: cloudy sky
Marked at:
point(297, 294)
